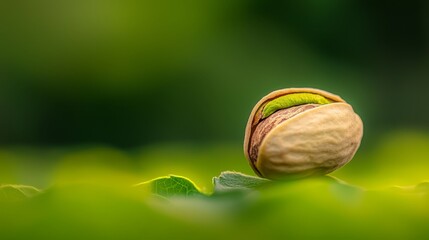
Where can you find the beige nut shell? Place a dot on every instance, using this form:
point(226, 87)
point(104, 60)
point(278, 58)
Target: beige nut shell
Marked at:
point(314, 142)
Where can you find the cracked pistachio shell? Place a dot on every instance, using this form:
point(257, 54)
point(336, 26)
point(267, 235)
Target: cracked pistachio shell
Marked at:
point(300, 141)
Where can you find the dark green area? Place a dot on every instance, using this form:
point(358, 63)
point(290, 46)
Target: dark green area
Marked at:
point(131, 73)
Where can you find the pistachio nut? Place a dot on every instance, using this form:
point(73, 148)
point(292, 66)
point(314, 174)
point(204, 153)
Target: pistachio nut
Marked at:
point(301, 132)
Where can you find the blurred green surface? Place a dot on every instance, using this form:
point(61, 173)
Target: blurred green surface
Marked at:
point(97, 96)
point(92, 193)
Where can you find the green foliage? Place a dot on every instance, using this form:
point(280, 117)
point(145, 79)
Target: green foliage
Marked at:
point(235, 181)
point(92, 194)
point(316, 208)
point(171, 186)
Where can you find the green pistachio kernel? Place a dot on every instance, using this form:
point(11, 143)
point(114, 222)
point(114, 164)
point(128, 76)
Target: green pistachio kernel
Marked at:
point(291, 100)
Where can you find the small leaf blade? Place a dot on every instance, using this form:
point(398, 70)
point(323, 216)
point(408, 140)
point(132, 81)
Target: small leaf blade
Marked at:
point(172, 186)
point(12, 192)
point(234, 181)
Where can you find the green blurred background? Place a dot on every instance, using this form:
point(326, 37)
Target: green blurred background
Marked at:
point(98, 95)
point(157, 87)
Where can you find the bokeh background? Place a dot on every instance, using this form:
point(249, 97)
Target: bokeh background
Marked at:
point(99, 95)
point(149, 88)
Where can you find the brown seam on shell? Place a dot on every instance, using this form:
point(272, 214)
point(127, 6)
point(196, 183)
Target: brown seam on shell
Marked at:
point(267, 124)
point(258, 114)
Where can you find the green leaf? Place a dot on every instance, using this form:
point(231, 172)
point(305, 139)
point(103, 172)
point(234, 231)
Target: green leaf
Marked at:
point(17, 192)
point(171, 186)
point(235, 181)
